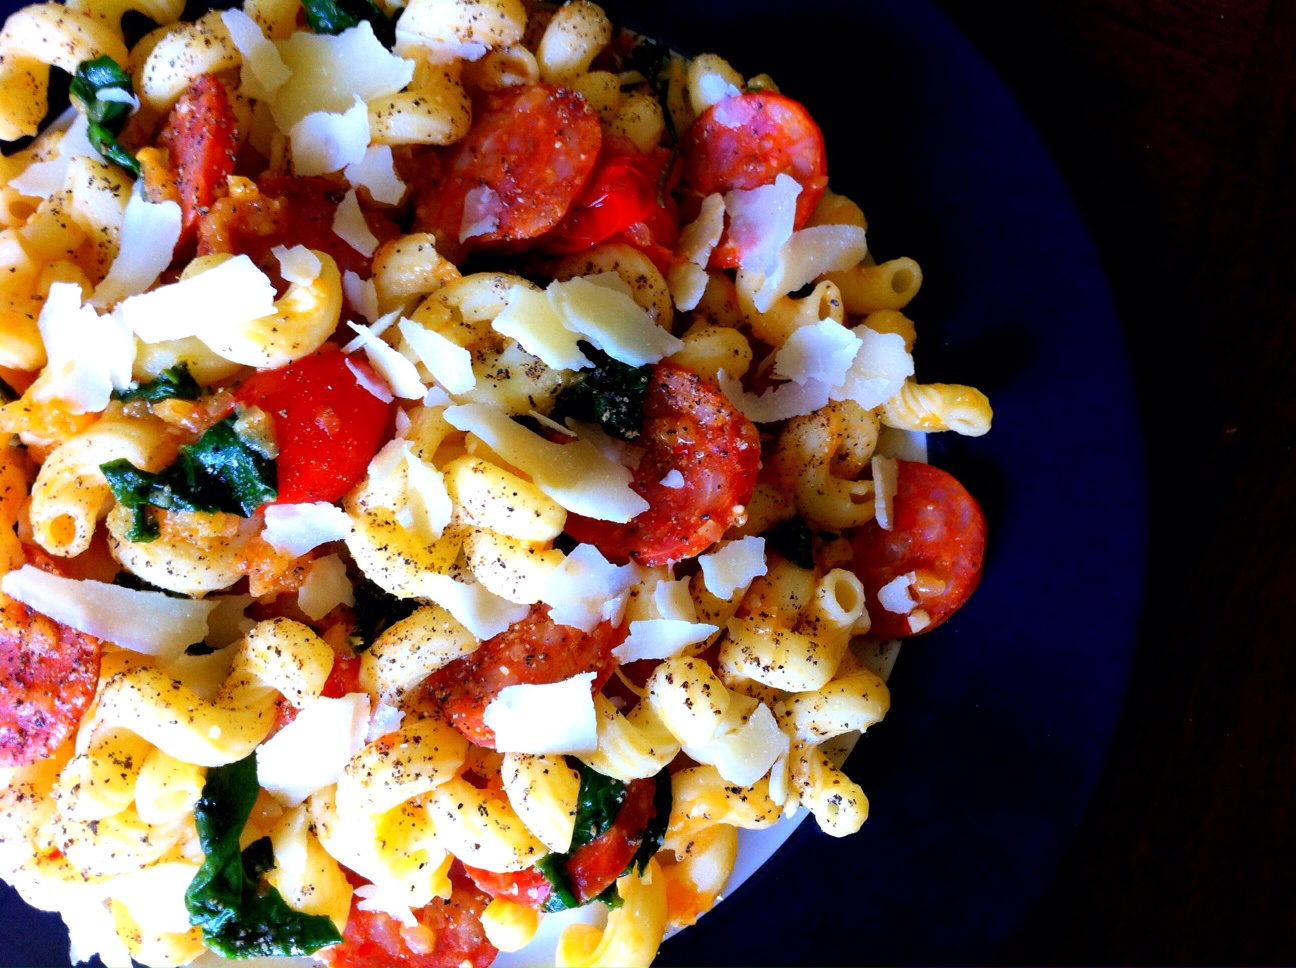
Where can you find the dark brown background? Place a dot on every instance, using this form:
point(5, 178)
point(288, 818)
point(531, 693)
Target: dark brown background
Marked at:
point(1172, 121)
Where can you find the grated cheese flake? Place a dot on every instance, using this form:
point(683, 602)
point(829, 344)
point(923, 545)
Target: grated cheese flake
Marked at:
point(550, 718)
point(449, 363)
point(733, 566)
point(376, 173)
point(886, 482)
point(601, 309)
point(311, 751)
point(587, 589)
point(661, 638)
point(325, 588)
point(529, 318)
point(401, 375)
point(823, 352)
point(88, 355)
point(329, 71)
point(263, 71)
point(297, 528)
point(220, 298)
point(149, 235)
point(350, 226)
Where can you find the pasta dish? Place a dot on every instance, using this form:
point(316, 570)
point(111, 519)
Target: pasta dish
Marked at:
point(462, 464)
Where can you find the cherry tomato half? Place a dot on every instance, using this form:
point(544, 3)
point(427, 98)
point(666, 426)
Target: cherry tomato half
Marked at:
point(199, 137)
point(328, 426)
point(747, 141)
point(622, 191)
point(939, 533)
point(689, 427)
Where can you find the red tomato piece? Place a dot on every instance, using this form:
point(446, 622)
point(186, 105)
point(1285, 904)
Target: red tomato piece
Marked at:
point(199, 136)
point(534, 148)
point(747, 141)
point(939, 532)
point(689, 427)
point(591, 868)
point(48, 675)
point(327, 424)
point(342, 679)
point(448, 932)
point(534, 650)
point(622, 191)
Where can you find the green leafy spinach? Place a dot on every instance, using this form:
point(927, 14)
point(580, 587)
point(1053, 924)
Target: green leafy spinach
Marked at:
point(172, 383)
point(240, 916)
point(791, 538)
point(611, 394)
point(93, 78)
point(219, 472)
point(335, 16)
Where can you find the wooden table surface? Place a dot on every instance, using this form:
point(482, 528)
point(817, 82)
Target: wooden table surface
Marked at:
point(1172, 121)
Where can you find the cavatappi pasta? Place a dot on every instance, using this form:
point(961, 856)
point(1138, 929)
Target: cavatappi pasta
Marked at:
point(449, 477)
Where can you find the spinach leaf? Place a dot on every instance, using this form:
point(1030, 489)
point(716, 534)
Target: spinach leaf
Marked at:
point(219, 472)
point(239, 916)
point(106, 117)
point(335, 16)
point(655, 832)
point(376, 609)
point(791, 539)
point(597, 805)
point(611, 393)
point(172, 383)
point(561, 896)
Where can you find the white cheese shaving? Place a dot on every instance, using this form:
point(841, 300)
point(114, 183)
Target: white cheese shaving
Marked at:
point(761, 221)
point(312, 750)
point(529, 318)
point(575, 475)
point(699, 237)
point(325, 588)
point(726, 113)
point(380, 326)
point(297, 528)
point(807, 255)
point(823, 352)
point(148, 239)
point(555, 717)
point(362, 294)
point(601, 309)
point(89, 355)
point(218, 299)
point(449, 363)
point(298, 264)
point(878, 371)
point(481, 612)
point(427, 498)
point(327, 141)
point(733, 566)
point(386, 901)
point(613, 448)
point(401, 375)
point(902, 444)
point(481, 213)
point(376, 173)
point(328, 72)
point(673, 600)
point(367, 380)
point(687, 284)
point(673, 479)
point(781, 402)
point(386, 719)
point(264, 71)
point(148, 622)
point(587, 589)
point(886, 481)
point(919, 620)
point(713, 88)
point(661, 638)
point(227, 623)
point(745, 753)
point(43, 178)
point(350, 226)
point(895, 596)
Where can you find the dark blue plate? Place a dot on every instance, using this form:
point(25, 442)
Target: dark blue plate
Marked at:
point(1002, 718)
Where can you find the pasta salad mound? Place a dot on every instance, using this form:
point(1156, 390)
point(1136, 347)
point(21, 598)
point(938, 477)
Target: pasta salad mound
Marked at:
point(462, 464)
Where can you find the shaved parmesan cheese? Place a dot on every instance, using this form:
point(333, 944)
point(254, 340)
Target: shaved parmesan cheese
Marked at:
point(449, 363)
point(264, 71)
point(366, 380)
point(575, 475)
point(481, 213)
point(529, 318)
point(298, 264)
point(761, 221)
point(479, 611)
point(148, 622)
point(587, 589)
point(437, 397)
point(350, 226)
point(601, 309)
point(919, 620)
point(149, 235)
point(380, 326)
point(823, 352)
point(325, 588)
point(426, 497)
point(227, 623)
point(312, 750)
point(724, 113)
point(895, 596)
point(613, 448)
point(878, 371)
point(362, 294)
point(661, 638)
point(324, 141)
point(204, 674)
point(673, 479)
point(89, 355)
point(744, 754)
point(224, 296)
point(699, 237)
point(297, 528)
point(673, 600)
point(376, 173)
point(386, 719)
point(43, 178)
point(902, 444)
point(555, 717)
point(780, 402)
point(687, 283)
point(807, 255)
point(328, 72)
point(401, 375)
point(384, 900)
point(886, 482)
point(438, 51)
point(733, 567)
